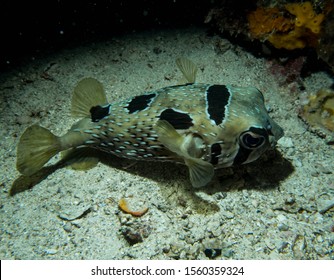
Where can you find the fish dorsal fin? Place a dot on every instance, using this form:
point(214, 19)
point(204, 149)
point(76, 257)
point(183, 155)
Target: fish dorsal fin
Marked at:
point(88, 93)
point(188, 69)
point(201, 172)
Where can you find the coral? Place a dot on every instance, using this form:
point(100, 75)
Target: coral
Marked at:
point(305, 16)
point(293, 40)
point(264, 21)
point(288, 24)
point(318, 113)
point(283, 31)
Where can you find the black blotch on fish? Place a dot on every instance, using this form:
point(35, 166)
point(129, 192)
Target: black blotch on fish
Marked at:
point(140, 102)
point(217, 98)
point(241, 156)
point(176, 119)
point(98, 112)
point(215, 152)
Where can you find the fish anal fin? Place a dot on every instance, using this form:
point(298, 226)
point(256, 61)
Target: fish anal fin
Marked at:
point(200, 172)
point(80, 158)
point(188, 69)
point(88, 93)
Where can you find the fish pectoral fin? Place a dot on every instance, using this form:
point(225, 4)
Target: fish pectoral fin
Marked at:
point(187, 146)
point(193, 146)
point(188, 69)
point(169, 137)
point(88, 93)
point(200, 172)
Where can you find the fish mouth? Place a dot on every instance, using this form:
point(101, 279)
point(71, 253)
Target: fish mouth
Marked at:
point(278, 134)
point(275, 133)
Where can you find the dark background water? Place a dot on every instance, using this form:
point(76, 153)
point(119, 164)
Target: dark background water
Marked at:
point(29, 28)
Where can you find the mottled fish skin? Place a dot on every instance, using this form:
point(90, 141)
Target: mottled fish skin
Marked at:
point(219, 114)
point(204, 126)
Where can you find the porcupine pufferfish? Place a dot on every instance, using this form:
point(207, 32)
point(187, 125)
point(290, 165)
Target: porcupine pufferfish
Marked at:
point(204, 126)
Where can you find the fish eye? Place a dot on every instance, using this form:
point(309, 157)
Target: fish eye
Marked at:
point(251, 140)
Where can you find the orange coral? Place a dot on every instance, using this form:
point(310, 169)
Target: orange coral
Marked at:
point(263, 21)
point(307, 28)
point(305, 16)
point(295, 39)
point(284, 32)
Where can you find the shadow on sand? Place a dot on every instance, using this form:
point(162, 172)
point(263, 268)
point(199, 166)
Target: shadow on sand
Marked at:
point(264, 174)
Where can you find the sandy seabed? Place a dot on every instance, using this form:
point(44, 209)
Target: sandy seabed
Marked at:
point(279, 207)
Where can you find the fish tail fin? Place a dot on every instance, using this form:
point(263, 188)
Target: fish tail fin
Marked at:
point(36, 147)
point(88, 93)
point(188, 69)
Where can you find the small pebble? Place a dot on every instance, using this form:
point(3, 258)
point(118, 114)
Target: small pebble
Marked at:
point(68, 227)
point(255, 203)
point(282, 227)
point(23, 120)
point(325, 205)
point(297, 163)
point(51, 251)
point(166, 249)
point(324, 169)
point(282, 246)
point(290, 200)
point(281, 218)
point(228, 253)
point(228, 214)
point(286, 142)
point(320, 239)
point(107, 211)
